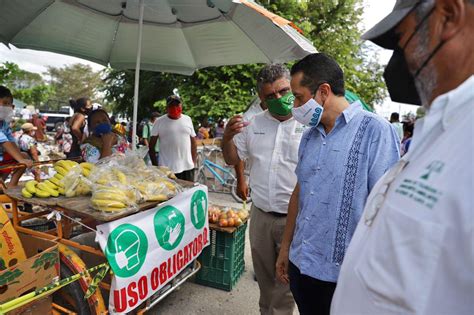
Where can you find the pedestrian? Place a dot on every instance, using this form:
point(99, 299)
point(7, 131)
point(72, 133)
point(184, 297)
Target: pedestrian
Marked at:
point(40, 124)
point(28, 144)
point(82, 107)
point(220, 128)
point(412, 252)
point(269, 141)
point(204, 131)
point(407, 135)
point(9, 151)
point(25, 114)
point(395, 121)
point(346, 150)
point(146, 134)
point(178, 149)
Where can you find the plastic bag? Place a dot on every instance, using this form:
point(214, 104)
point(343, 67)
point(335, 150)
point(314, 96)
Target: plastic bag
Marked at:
point(113, 198)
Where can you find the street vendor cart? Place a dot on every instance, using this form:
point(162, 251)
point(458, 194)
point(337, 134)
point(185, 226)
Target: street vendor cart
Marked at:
point(144, 269)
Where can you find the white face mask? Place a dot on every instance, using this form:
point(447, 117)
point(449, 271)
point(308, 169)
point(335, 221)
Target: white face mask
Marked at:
point(309, 113)
point(6, 113)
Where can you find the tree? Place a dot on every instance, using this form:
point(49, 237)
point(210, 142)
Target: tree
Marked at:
point(74, 81)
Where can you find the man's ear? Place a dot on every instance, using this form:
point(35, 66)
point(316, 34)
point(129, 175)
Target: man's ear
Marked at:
point(325, 90)
point(452, 17)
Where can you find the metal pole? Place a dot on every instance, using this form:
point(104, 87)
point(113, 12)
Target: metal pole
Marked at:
point(137, 77)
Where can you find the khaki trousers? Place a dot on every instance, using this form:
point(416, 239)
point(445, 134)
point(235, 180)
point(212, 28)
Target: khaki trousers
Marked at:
point(266, 232)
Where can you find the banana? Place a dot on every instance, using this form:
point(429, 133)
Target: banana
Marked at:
point(42, 194)
point(31, 186)
point(56, 181)
point(58, 176)
point(50, 184)
point(44, 187)
point(108, 209)
point(63, 163)
point(159, 197)
point(25, 193)
point(86, 172)
point(102, 181)
point(61, 191)
point(70, 193)
point(61, 170)
point(102, 195)
point(120, 176)
point(71, 163)
point(87, 165)
point(108, 203)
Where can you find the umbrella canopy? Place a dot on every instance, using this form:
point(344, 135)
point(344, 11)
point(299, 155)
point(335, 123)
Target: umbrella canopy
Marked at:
point(179, 36)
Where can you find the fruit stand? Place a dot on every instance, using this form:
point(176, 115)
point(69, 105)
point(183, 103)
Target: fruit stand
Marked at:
point(180, 227)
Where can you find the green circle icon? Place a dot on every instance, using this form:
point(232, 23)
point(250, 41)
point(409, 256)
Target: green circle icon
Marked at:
point(126, 250)
point(169, 227)
point(198, 209)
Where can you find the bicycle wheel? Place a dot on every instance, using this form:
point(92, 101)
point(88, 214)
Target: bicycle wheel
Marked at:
point(234, 194)
point(72, 295)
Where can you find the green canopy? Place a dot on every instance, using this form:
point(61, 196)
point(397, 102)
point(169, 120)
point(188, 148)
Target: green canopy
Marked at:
point(351, 97)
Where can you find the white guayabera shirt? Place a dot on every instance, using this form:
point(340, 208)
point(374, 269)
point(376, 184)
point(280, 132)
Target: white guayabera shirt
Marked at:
point(413, 250)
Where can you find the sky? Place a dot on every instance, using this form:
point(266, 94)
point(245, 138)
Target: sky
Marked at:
point(37, 61)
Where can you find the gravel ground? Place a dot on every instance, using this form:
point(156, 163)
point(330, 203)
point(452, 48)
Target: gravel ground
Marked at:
point(192, 298)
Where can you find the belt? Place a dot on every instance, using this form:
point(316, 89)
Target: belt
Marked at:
point(277, 214)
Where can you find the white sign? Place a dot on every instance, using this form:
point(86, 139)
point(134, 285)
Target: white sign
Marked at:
point(148, 249)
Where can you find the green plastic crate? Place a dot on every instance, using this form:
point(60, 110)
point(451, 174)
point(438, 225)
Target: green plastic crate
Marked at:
point(222, 262)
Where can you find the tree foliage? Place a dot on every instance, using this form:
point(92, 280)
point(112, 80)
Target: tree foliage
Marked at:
point(332, 25)
point(74, 81)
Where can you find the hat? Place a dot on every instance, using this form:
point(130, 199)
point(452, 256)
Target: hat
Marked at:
point(383, 33)
point(28, 127)
point(173, 99)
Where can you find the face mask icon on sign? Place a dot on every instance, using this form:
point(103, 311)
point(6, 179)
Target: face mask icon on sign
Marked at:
point(127, 244)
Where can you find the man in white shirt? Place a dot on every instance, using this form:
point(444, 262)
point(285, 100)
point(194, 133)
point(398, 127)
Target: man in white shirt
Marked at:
point(25, 114)
point(412, 252)
point(395, 121)
point(178, 149)
point(270, 143)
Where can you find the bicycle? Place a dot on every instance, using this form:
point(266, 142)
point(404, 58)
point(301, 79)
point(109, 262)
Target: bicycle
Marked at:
point(226, 179)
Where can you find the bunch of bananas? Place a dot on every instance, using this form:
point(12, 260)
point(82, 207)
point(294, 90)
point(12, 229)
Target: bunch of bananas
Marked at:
point(109, 176)
point(42, 190)
point(157, 190)
point(110, 199)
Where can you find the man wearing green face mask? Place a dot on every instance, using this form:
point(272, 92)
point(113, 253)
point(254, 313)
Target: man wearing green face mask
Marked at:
point(269, 141)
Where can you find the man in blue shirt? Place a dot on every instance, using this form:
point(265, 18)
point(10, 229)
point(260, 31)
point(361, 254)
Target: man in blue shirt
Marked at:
point(341, 157)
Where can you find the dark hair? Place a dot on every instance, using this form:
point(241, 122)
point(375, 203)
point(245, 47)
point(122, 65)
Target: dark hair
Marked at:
point(320, 68)
point(79, 104)
point(270, 73)
point(93, 113)
point(408, 126)
point(395, 117)
point(5, 92)
point(155, 115)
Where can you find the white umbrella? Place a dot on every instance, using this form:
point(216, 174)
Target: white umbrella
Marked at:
point(176, 36)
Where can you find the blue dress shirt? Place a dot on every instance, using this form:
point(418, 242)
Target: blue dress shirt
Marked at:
point(5, 136)
point(336, 173)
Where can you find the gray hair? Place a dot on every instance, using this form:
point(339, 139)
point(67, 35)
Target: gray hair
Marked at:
point(270, 73)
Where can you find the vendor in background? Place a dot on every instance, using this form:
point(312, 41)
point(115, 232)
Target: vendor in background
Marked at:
point(178, 149)
point(81, 107)
point(204, 131)
point(219, 133)
point(145, 133)
point(9, 151)
point(39, 123)
point(102, 141)
point(28, 145)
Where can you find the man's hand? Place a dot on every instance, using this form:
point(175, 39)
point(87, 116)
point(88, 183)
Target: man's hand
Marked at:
point(27, 162)
point(242, 189)
point(282, 266)
point(235, 125)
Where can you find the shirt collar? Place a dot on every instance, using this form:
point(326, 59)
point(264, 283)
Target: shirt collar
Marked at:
point(454, 100)
point(351, 111)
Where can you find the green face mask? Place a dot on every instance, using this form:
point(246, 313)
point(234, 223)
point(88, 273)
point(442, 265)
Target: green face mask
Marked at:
point(281, 106)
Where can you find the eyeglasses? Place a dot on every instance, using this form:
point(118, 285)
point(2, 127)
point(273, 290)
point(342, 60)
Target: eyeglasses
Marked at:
point(376, 203)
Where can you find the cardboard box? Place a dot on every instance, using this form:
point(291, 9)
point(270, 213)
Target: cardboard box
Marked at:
point(39, 269)
point(43, 306)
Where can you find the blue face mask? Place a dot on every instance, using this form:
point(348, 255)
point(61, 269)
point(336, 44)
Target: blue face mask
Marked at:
point(102, 129)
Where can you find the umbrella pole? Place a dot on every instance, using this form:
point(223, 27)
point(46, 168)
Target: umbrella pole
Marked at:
point(137, 77)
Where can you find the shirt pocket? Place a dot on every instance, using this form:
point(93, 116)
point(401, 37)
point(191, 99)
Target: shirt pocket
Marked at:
point(399, 265)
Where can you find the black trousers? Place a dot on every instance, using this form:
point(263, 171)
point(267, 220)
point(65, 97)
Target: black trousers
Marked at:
point(312, 296)
point(186, 175)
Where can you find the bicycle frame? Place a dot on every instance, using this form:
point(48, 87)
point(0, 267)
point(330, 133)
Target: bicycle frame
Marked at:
point(211, 165)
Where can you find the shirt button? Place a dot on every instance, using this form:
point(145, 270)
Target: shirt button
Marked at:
point(324, 143)
point(312, 193)
point(318, 168)
point(304, 242)
point(307, 218)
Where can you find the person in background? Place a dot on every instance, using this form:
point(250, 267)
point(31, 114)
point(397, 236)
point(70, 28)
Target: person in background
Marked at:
point(102, 141)
point(81, 107)
point(25, 114)
point(341, 157)
point(146, 134)
point(120, 129)
point(204, 131)
point(413, 251)
point(395, 121)
point(269, 141)
point(178, 149)
point(28, 145)
point(39, 123)
point(9, 151)
point(219, 133)
point(408, 127)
